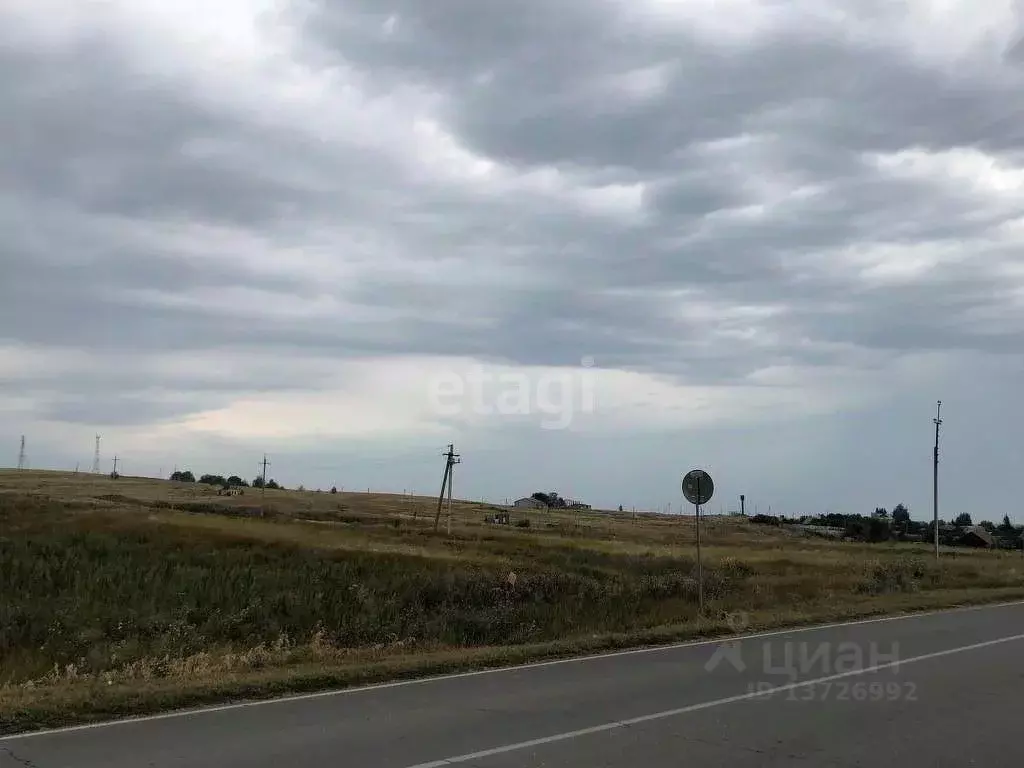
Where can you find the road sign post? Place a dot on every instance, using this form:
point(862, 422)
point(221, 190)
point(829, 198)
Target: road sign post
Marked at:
point(698, 488)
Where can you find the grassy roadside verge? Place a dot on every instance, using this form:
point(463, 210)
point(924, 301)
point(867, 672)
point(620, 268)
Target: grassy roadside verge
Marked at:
point(156, 597)
point(92, 701)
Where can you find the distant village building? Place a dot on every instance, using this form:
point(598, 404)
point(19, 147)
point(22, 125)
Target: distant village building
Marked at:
point(976, 536)
point(528, 502)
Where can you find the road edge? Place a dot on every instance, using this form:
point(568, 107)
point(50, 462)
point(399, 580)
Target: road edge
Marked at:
point(211, 701)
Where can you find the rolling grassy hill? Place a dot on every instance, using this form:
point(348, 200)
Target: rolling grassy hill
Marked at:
point(120, 597)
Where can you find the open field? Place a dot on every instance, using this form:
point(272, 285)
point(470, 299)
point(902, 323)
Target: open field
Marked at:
point(120, 597)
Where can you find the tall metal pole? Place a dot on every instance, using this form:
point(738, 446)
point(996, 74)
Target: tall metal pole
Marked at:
point(700, 566)
point(935, 477)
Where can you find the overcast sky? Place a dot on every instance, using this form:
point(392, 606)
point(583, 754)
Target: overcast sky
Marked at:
point(779, 231)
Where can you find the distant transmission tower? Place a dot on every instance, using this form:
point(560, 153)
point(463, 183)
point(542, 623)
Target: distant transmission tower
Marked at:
point(96, 457)
point(21, 454)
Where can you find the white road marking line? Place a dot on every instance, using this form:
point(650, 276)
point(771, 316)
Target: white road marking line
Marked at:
point(498, 670)
point(703, 705)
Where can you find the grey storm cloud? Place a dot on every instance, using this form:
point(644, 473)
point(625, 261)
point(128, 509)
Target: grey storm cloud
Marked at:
point(99, 150)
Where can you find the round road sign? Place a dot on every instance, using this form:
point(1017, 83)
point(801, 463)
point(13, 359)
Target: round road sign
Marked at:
point(698, 488)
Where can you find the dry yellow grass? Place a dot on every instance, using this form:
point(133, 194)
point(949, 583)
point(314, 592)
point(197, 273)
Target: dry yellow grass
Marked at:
point(131, 595)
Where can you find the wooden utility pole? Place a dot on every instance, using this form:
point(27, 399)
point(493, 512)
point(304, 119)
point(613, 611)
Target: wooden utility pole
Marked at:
point(451, 459)
point(263, 486)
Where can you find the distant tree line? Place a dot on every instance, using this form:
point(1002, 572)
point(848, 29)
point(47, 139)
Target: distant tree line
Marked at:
point(554, 500)
point(551, 499)
point(883, 525)
point(186, 476)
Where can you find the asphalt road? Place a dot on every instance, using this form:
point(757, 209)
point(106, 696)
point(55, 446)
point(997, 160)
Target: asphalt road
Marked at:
point(944, 689)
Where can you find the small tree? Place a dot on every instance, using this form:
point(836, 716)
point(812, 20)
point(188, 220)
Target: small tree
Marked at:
point(183, 477)
point(881, 513)
point(879, 530)
point(963, 520)
point(272, 484)
point(900, 515)
point(834, 520)
point(236, 482)
point(988, 525)
point(334, 489)
point(257, 482)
